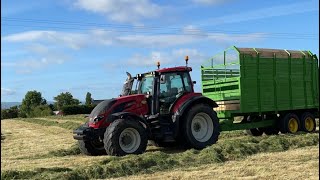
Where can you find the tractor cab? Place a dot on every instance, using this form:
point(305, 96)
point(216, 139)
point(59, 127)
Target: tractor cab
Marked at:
point(164, 86)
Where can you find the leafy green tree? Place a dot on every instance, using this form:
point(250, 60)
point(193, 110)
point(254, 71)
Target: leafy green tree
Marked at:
point(41, 111)
point(10, 113)
point(52, 107)
point(88, 99)
point(31, 100)
point(64, 99)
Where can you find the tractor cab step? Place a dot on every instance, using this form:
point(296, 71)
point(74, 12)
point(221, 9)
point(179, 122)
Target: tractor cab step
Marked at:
point(155, 116)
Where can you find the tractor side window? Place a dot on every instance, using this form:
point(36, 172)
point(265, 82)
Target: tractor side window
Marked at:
point(172, 86)
point(146, 85)
point(176, 83)
point(187, 82)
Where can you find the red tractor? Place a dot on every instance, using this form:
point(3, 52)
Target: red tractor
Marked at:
point(164, 109)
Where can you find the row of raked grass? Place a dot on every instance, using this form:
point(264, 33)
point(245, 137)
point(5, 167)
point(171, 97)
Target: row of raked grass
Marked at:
point(150, 162)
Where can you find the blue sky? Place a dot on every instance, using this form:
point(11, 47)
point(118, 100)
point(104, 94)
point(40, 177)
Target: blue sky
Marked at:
point(84, 46)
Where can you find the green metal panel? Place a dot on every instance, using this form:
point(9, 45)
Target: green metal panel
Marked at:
point(267, 80)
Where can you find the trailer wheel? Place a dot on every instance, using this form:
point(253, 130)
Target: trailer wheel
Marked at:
point(125, 136)
point(308, 122)
point(201, 127)
point(289, 123)
point(271, 130)
point(92, 148)
point(254, 132)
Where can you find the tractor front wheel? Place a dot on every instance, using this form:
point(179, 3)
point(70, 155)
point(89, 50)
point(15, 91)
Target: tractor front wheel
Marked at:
point(125, 136)
point(92, 148)
point(201, 127)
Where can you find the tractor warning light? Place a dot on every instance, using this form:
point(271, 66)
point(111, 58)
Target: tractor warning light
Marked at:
point(187, 59)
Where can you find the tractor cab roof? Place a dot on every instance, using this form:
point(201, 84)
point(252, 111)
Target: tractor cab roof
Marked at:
point(174, 69)
point(165, 70)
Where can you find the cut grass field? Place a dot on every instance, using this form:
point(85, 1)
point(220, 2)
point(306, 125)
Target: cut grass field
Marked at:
point(301, 163)
point(43, 148)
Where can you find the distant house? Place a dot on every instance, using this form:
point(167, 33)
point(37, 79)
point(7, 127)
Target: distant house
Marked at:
point(58, 113)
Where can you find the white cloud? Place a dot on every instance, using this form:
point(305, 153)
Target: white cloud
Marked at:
point(175, 57)
point(156, 40)
point(121, 10)
point(38, 60)
point(44, 47)
point(76, 41)
point(71, 40)
point(7, 92)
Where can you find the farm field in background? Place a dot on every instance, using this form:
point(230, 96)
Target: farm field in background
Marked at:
point(40, 148)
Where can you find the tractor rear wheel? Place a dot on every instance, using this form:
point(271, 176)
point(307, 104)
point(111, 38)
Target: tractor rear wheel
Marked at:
point(308, 122)
point(289, 123)
point(125, 136)
point(92, 148)
point(201, 126)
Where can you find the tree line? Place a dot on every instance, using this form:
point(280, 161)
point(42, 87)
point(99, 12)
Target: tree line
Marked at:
point(34, 105)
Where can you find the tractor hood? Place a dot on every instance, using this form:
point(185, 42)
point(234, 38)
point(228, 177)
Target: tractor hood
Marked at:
point(135, 104)
point(101, 108)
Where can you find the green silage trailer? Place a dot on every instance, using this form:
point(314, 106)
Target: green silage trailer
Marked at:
point(263, 90)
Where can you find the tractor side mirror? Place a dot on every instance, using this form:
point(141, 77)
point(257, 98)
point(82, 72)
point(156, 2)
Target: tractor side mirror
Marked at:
point(162, 79)
point(194, 82)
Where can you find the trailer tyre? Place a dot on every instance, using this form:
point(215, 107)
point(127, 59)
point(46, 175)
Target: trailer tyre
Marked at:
point(271, 130)
point(125, 136)
point(201, 127)
point(308, 122)
point(289, 123)
point(92, 148)
point(254, 132)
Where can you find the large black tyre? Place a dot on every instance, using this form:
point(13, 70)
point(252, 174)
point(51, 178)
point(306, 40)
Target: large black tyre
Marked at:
point(270, 130)
point(290, 123)
point(200, 127)
point(125, 136)
point(307, 122)
point(92, 148)
point(254, 132)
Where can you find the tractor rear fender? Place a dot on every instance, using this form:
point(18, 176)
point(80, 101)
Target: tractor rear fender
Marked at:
point(127, 115)
point(178, 114)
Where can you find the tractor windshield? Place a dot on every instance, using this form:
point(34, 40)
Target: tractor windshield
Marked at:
point(146, 84)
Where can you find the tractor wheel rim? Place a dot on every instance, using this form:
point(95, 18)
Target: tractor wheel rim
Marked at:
point(309, 125)
point(293, 125)
point(202, 127)
point(129, 140)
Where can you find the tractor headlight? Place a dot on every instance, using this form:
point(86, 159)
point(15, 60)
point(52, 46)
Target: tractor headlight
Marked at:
point(98, 118)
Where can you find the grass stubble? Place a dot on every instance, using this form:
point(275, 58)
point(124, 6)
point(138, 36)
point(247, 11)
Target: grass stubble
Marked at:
point(38, 149)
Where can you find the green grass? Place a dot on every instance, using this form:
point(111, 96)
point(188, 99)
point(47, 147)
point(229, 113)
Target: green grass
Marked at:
point(78, 117)
point(66, 124)
point(73, 150)
point(150, 162)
